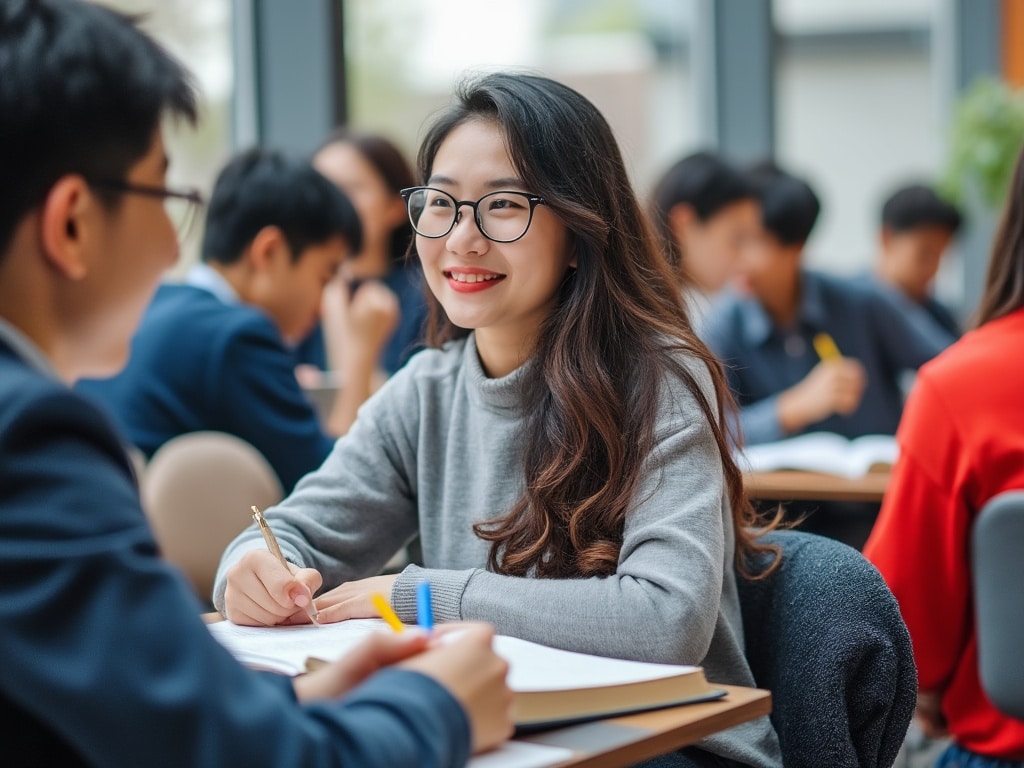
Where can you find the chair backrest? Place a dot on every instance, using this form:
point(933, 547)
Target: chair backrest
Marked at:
point(197, 490)
point(997, 566)
point(824, 634)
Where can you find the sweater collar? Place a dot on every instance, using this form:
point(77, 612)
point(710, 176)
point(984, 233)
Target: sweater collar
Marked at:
point(499, 394)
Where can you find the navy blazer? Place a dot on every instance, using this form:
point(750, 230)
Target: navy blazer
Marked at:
point(198, 364)
point(105, 660)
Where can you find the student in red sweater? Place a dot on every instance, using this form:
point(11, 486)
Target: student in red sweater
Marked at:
point(961, 443)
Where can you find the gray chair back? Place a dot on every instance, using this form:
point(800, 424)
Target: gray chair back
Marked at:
point(997, 565)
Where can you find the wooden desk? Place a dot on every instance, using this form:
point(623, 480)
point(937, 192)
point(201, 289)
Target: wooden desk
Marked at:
point(622, 741)
point(813, 486)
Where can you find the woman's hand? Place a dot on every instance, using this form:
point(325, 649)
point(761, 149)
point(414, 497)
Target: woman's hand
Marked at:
point(351, 600)
point(262, 592)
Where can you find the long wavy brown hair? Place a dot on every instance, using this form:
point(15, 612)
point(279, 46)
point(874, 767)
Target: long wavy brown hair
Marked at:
point(619, 329)
point(1004, 283)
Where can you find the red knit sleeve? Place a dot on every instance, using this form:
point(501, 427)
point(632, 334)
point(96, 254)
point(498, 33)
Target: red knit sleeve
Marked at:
point(919, 543)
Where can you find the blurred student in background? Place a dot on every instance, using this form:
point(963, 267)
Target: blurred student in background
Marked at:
point(704, 209)
point(212, 353)
point(917, 228)
point(765, 332)
point(961, 443)
point(371, 171)
point(105, 659)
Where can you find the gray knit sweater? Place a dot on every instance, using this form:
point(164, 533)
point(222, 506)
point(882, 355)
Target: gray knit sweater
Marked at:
point(438, 448)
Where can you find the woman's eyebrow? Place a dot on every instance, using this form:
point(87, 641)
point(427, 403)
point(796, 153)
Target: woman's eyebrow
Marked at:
point(502, 183)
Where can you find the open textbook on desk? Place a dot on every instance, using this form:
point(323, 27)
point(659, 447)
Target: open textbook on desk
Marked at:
point(552, 687)
point(824, 452)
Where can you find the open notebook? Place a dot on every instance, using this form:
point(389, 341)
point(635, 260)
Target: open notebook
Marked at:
point(552, 687)
point(824, 452)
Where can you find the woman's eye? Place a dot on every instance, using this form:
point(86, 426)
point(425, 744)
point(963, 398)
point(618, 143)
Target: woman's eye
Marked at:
point(503, 204)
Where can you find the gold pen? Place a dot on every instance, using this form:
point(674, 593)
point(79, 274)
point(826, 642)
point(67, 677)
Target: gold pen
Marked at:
point(275, 550)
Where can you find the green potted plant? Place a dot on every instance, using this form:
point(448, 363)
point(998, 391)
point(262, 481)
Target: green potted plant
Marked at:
point(986, 135)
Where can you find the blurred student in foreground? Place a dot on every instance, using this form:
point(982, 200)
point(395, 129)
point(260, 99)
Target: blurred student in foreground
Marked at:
point(105, 659)
point(704, 210)
point(372, 172)
point(212, 353)
point(961, 443)
point(917, 229)
point(765, 332)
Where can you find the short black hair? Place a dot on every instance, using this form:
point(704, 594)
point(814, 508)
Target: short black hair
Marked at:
point(262, 188)
point(82, 91)
point(702, 180)
point(918, 205)
point(789, 206)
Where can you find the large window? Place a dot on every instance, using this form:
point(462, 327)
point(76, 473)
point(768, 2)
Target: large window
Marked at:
point(198, 32)
point(858, 112)
point(630, 57)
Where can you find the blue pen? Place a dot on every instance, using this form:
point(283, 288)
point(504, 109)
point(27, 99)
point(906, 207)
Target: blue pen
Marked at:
point(424, 606)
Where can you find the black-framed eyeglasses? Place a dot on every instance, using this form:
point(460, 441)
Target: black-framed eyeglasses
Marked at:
point(500, 216)
point(182, 205)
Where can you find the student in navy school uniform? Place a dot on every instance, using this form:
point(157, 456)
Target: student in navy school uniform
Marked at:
point(764, 331)
point(917, 227)
point(105, 659)
point(213, 352)
point(765, 334)
point(704, 209)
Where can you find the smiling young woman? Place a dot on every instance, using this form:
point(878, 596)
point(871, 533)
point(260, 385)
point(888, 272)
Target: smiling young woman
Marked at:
point(560, 448)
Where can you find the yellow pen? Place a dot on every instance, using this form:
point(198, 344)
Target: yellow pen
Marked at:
point(386, 612)
point(275, 550)
point(826, 347)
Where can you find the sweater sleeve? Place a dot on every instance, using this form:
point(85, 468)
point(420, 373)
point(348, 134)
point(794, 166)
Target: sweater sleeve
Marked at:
point(919, 540)
point(670, 571)
point(353, 513)
point(102, 642)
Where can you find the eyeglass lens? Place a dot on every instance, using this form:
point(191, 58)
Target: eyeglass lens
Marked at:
point(501, 216)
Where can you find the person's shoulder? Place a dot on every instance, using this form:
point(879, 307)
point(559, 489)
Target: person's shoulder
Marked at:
point(21, 386)
point(978, 354)
point(34, 406)
point(724, 316)
point(184, 306)
point(686, 368)
point(852, 288)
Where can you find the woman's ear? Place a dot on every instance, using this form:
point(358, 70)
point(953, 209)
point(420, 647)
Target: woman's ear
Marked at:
point(66, 219)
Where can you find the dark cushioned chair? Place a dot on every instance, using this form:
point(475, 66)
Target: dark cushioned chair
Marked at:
point(824, 634)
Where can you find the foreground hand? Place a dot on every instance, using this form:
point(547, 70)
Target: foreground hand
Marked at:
point(382, 649)
point(262, 592)
point(352, 599)
point(475, 675)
